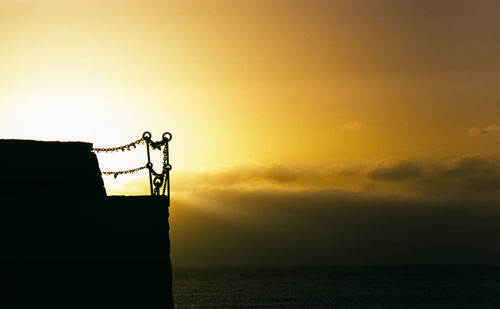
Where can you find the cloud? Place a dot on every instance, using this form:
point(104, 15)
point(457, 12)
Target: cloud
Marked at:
point(476, 173)
point(395, 171)
point(275, 176)
point(466, 177)
point(329, 227)
point(472, 165)
point(392, 212)
point(230, 176)
point(352, 126)
point(485, 130)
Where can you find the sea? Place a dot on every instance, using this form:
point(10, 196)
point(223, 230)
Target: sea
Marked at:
point(451, 287)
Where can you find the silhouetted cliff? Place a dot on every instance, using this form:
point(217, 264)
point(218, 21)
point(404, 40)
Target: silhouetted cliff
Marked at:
point(55, 169)
point(64, 243)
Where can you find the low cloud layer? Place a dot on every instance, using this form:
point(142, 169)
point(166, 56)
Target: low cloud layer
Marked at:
point(395, 211)
point(485, 130)
point(328, 227)
point(395, 171)
point(469, 176)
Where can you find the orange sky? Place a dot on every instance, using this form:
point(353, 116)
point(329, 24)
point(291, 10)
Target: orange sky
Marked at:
point(270, 81)
point(255, 83)
point(324, 92)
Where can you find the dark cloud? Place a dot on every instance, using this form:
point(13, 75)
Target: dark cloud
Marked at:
point(485, 130)
point(472, 165)
point(396, 212)
point(395, 171)
point(241, 174)
point(329, 227)
point(280, 173)
point(476, 173)
point(470, 176)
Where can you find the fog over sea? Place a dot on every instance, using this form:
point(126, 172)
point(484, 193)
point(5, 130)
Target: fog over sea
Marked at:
point(338, 287)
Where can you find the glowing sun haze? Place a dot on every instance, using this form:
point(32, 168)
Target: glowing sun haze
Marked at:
point(257, 84)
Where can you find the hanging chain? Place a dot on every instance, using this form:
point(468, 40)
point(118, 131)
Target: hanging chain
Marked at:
point(130, 146)
point(127, 147)
point(132, 171)
point(161, 181)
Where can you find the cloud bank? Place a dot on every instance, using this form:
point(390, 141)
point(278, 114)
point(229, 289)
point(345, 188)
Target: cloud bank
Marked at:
point(396, 211)
point(485, 130)
point(470, 176)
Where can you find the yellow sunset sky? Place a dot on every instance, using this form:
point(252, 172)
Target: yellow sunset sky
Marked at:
point(260, 80)
point(385, 98)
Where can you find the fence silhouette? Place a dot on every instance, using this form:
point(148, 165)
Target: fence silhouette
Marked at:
point(159, 183)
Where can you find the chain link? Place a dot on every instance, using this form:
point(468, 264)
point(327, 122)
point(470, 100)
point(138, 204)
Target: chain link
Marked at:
point(127, 147)
point(132, 171)
point(160, 179)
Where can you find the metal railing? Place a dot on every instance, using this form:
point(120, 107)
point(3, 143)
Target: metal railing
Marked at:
point(159, 183)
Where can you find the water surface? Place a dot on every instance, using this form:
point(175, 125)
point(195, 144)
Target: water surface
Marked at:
point(338, 287)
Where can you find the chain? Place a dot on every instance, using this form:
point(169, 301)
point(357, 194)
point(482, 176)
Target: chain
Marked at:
point(132, 171)
point(165, 160)
point(130, 146)
point(160, 179)
point(165, 168)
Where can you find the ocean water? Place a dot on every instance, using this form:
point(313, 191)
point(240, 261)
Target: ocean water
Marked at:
point(338, 287)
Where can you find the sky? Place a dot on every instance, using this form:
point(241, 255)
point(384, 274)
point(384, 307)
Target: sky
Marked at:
point(304, 132)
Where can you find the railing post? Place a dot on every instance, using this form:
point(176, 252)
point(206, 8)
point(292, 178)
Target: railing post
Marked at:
point(147, 138)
